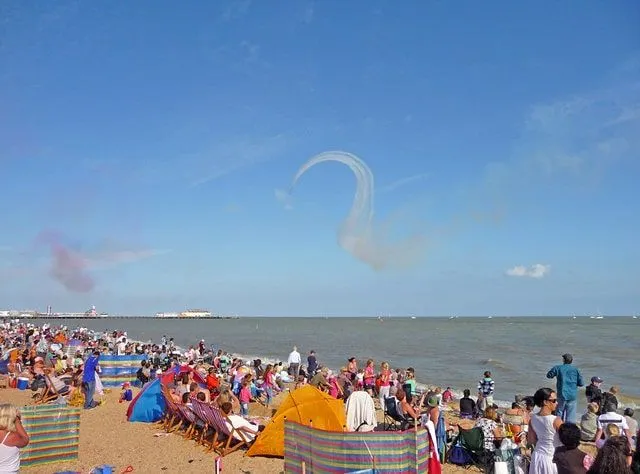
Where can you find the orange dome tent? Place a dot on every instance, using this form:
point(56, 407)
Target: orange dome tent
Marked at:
point(306, 405)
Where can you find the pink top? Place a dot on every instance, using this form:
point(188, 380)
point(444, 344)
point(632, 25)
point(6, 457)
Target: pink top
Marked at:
point(268, 380)
point(385, 378)
point(369, 375)
point(245, 395)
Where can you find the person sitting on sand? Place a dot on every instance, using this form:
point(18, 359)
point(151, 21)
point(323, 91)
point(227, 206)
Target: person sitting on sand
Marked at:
point(614, 458)
point(213, 383)
point(608, 419)
point(488, 424)
point(227, 396)
point(238, 425)
point(468, 409)
point(320, 380)
point(516, 417)
point(405, 407)
point(568, 458)
point(301, 382)
point(589, 422)
point(447, 395)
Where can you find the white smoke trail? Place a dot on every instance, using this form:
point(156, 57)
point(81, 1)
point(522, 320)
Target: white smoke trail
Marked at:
point(356, 234)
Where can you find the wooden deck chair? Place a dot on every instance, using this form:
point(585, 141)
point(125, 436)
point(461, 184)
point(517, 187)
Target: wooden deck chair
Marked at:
point(199, 408)
point(206, 412)
point(189, 419)
point(173, 417)
point(49, 392)
point(228, 442)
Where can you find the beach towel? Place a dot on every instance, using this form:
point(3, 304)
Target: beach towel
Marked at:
point(435, 467)
point(361, 412)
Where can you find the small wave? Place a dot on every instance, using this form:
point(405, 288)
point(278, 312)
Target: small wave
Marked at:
point(497, 364)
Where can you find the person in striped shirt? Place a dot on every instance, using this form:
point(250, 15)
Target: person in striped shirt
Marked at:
point(486, 387)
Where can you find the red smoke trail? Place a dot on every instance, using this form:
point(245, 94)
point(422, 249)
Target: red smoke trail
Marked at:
point(68, 268)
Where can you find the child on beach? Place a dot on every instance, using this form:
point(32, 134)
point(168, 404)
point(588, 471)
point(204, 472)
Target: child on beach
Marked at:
point(301, 382)
point(245, 396)
point(126, 395)
point(568, 458)
point(589, 422)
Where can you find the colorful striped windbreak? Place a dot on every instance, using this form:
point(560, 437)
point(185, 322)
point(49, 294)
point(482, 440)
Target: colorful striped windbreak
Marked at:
point(54, 431)
point(338, 452)
point(117, 369)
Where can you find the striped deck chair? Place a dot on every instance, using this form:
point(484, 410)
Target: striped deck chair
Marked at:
point(173, 417)
point(49, 392)
point(228, 442)
point(201, 410)
point(189, 419)
point(206, 412)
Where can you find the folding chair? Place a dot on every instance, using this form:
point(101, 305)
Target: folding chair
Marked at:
point(472, 442)
point(393, 419)
point(228, 442)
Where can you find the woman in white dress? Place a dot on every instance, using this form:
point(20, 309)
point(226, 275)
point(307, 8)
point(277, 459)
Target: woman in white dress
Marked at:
point(543, 432)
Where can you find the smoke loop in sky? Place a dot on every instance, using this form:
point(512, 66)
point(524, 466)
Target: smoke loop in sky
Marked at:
point(357, 234)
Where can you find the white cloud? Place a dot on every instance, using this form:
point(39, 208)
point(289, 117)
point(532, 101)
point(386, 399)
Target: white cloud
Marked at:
point(537, 271)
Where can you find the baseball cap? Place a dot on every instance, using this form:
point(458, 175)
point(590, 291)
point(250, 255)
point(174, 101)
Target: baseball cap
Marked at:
point(596, 379)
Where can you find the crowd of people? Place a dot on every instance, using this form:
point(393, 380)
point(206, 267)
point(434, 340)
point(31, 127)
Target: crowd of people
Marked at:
point(546, 421)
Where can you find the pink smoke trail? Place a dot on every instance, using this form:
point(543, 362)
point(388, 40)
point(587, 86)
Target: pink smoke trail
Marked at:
point(68, 268)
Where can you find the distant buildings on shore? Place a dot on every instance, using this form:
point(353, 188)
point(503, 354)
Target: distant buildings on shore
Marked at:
point(190, 313)
point(92, 313)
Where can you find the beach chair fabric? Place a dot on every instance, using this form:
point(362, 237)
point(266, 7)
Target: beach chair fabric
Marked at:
point(117, 369)
point(471, 443)
point(306, 405)
point(54, 432)
point(339, 452)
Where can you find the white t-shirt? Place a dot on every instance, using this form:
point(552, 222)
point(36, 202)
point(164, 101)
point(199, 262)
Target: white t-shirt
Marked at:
point(612, 418)
point(294, 358)
point(122, 348)
point(235, 421)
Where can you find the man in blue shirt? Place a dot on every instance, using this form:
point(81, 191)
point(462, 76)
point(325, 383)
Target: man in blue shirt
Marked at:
point(89, 379)
point(568, 379)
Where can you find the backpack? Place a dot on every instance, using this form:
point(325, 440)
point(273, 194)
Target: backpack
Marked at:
point(460, 456)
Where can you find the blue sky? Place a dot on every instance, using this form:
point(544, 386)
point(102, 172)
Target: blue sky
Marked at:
point(141, 144)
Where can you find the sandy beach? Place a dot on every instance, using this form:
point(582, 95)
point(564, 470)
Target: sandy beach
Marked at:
point(106, 437)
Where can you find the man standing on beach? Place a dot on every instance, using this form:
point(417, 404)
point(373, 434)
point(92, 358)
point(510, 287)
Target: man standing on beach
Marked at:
point(294, 363)
point(89, 379)
point(568, 379)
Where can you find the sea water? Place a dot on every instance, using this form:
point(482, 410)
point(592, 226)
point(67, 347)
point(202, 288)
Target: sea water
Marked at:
point(446, 352)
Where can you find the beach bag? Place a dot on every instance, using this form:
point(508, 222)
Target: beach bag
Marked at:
point(460, 456)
